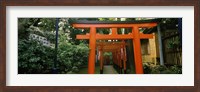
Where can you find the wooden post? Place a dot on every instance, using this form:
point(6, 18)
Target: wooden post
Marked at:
point(92, 45)
point(137, 51)
point(101, 61)
point(116, 64)
point(121, 59)
point(124, 59)
point(114, 31)
point(124, 63)
point(113, 55)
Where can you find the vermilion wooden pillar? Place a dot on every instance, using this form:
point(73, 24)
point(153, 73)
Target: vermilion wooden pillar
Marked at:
point(92, 46)
point(124, 59)
point(114, 58)
point(101, 61)
point(119, 60)
point(137, 50)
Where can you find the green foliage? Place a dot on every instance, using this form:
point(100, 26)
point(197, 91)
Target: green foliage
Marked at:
point(107, 54)
point(47, 24)
point(160, 69)
point(176, 69)
point(107, 19)
point(73, 34)
point(71, 57)
point(174, 43)
point(33, 57)
point(23, 25)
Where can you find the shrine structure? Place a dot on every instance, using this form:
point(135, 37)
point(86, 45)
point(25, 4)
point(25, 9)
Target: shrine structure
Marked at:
point(135, 35)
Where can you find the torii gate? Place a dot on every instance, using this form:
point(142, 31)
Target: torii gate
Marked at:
point(114, 47)
point(135, 36)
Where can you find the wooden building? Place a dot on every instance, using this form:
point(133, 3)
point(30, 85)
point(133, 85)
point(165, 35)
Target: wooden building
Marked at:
point(171, 41)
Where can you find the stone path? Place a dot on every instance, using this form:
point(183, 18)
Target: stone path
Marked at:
point(108, 69)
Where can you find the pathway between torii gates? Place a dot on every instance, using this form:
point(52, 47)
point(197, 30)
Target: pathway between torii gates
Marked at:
point(108, 69)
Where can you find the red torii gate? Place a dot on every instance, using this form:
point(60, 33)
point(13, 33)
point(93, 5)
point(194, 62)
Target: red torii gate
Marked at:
point(135, 35)
point(118, 50)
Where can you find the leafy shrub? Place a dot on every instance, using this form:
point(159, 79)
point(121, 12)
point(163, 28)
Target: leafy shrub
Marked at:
point(71, 57)
point(33, 57)
point(176, 69)
point(161, 69)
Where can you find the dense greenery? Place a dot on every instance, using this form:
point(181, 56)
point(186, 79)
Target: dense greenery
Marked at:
point(71, 57)
point(161, 69)
point(34, 57)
